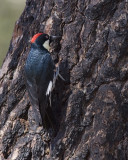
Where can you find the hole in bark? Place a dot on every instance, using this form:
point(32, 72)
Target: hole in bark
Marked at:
point(30, 19)
point(88, 155)
point(28, 3)
point(29, 156)
point(7, 153)
point(24, 115)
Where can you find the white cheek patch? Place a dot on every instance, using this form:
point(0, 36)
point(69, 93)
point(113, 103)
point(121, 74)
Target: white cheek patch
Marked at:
point(46, 45)
point(49, 89)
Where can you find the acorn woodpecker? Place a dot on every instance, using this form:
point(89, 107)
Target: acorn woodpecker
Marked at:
point(41, 74)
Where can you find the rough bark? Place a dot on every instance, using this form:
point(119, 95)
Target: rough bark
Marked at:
point(92, 105)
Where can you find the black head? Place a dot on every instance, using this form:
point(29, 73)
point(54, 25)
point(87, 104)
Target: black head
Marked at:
point(41, 39)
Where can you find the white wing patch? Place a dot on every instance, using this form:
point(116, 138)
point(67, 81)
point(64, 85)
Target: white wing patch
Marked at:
point(49, 89)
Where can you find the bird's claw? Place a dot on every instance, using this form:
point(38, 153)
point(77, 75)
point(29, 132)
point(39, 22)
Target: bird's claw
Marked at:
point(61, 77)
point(57, 74)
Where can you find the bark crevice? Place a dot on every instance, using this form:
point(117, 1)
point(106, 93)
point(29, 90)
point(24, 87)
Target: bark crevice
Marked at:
point(91, 106)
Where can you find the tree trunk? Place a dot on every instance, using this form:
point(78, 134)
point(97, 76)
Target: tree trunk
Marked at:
point(91, 106)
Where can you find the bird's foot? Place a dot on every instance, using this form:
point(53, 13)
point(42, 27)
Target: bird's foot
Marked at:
point(57, 73)
point(61, 77)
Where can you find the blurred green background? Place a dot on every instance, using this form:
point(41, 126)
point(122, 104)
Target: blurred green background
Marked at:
point(10, 11)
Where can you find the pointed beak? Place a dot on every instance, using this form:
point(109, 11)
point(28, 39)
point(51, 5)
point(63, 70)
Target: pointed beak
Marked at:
point(53, 38)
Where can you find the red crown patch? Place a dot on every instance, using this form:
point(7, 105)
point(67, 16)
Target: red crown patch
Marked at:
point(35, 37)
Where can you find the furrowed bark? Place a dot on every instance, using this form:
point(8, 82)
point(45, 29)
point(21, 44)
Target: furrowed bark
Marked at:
point(91, 106)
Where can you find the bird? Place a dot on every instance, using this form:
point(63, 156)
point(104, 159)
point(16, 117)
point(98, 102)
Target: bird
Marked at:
point(41, 74)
